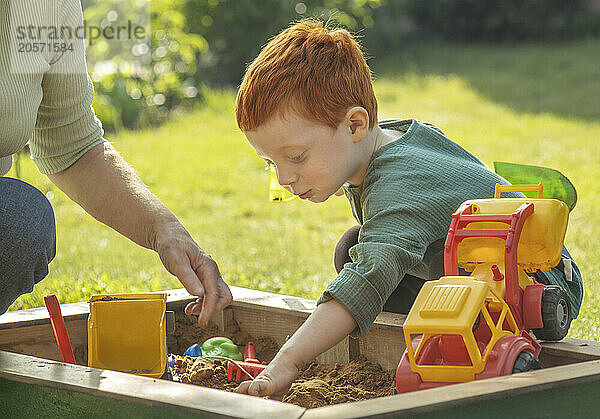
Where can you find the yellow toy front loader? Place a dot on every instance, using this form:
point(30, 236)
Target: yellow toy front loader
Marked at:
point(462, 328)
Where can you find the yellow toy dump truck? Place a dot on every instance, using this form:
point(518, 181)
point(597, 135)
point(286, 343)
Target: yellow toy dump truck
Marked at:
point(463, 328)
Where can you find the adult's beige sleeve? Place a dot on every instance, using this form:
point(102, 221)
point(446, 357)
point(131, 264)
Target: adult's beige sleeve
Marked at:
point(66, 126)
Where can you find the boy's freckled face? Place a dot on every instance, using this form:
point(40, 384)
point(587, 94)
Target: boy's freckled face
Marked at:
point(312, 159)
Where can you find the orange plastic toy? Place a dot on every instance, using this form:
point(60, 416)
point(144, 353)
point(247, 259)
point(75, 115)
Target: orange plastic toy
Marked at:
point(250, 368)
point(463, 328)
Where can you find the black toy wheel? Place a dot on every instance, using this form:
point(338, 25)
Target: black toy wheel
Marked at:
point(526, 361)
point(556, 314)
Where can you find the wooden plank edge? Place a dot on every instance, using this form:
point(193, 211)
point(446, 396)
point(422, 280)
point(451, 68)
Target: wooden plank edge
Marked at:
point(175, 298)
point(578, 349)
point(39, 315)
point(178, 298)
point(141, 390)
point(441, 398)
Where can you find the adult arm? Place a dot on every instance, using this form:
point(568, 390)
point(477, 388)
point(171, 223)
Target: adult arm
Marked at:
point(67, 145)
point(109, 189)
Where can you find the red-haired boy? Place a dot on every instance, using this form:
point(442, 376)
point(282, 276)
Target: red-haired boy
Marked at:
point(306, 105)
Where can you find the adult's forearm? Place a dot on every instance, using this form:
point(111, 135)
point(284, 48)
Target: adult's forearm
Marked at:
point(103, 184)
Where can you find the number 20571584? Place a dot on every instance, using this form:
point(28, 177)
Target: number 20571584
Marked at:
point(44, 46)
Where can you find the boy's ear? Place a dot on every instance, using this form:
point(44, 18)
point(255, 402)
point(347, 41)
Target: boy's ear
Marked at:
point(357, 119)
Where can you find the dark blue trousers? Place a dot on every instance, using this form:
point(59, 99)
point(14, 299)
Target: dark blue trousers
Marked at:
point(27, 239)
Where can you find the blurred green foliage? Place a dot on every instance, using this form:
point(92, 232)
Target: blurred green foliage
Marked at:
point(139, 84)
point(236, 30)
point(508, 20)
point(194, 43)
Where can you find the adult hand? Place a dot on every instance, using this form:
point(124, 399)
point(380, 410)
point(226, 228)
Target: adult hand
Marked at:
point(138, 214)
point(275, 380)
point(195, 269)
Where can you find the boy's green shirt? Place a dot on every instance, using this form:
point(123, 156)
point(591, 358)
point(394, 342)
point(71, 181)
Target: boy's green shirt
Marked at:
point(405, 204)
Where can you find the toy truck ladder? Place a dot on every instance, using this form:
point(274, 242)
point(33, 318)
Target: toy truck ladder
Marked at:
point(466, 215)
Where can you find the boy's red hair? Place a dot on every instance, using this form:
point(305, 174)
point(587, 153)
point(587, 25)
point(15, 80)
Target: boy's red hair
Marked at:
point(317, 72)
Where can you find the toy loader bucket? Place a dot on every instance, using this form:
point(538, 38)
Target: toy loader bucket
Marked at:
point(127, 332)
point(541, 242)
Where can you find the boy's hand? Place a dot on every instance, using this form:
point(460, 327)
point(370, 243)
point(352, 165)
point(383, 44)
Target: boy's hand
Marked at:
point(326, 326)
point(275, 380)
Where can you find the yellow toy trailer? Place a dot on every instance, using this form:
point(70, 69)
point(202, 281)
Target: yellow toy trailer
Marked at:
point(463, 328)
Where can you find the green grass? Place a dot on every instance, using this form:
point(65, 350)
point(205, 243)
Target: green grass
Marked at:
point(526, 104)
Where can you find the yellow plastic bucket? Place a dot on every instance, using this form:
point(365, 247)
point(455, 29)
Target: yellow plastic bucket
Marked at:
point(127, 332)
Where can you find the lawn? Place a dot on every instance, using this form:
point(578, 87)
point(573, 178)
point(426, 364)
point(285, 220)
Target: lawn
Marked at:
point(532, 104)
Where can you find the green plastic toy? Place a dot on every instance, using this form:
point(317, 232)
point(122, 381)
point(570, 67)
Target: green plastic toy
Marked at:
point(220, 346)
point(556, 185)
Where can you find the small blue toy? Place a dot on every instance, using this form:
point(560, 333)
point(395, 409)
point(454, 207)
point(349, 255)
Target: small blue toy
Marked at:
point(171, 361)
point(194, 351)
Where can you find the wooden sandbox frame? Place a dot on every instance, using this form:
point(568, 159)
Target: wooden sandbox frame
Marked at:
point(33, 383)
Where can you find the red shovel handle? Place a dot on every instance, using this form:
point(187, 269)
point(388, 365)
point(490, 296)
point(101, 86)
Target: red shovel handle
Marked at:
point(60, 331)
point(249, 352)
